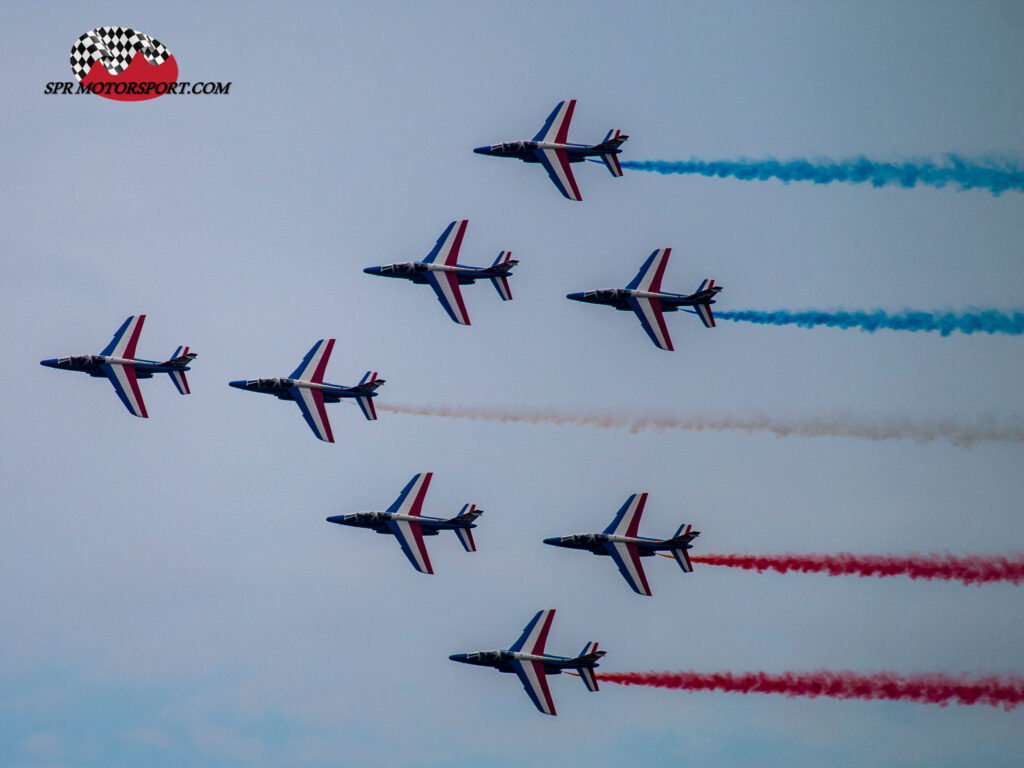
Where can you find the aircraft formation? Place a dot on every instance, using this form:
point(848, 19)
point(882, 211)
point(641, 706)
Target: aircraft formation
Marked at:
point(404, 518)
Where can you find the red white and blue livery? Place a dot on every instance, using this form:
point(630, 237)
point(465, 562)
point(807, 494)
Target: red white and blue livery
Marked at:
point(118, 363)
point(551, 148)
point(644, 297)
point(307, 388)
point(620, 542)
point(442, 272)
point(405, 521)
point(527, 659)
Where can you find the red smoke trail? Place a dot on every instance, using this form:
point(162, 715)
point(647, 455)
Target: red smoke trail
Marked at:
point(1006, 691)
point(970, 569)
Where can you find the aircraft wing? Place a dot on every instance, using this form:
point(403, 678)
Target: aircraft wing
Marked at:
point(535, 683)
point(314, 363)
point(446, 249)
point(311, 403)
point(535, 635)
point(446, 286)
point(556, 163)
point(627, 558)
point(556, 128)
point(651, 271)
point(124, 341)
point(410, 500)
point(125, 383)
point(627, 520)
point(410, 537)
point(649, 312)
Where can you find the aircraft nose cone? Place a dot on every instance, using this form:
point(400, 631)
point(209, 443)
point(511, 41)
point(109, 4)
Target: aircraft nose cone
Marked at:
point(51, 363)
point(336, 519)
point(556, 540)
point(241, 384)
point(458, 657)
point(575, 296)
point(483, 150)
point(372, 270)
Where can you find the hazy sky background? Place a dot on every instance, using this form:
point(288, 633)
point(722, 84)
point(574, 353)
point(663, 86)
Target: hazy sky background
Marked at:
point(170, 592)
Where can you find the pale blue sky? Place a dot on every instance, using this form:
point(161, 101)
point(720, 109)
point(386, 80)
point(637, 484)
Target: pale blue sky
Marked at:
point(169, 589)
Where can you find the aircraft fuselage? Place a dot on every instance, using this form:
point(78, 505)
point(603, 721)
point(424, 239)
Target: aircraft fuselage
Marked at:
point(595, 542)
point(501, 660)
point(416, 271)
point(280, 387)
point(144, 369)
point(429, 526)
point(525, 150)
point(670, 302)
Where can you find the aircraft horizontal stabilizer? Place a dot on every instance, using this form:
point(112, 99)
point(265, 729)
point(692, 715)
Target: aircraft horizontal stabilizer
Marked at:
point(180, 381)
point(466, 539)
point(500, 284)
point(368, 408)
point(589, 678)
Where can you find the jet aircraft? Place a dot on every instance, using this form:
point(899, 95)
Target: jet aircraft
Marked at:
point(306, 386)
point(620, 542)
point(442, 272)
point(644, 296)
point(403, 520)
point(118, 363)
point(527, 659)
point(550, 148)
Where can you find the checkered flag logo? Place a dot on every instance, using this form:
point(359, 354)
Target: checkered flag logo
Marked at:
point(114, 48)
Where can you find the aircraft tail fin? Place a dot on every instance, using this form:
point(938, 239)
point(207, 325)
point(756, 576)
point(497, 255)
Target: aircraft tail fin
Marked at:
point(370, 381)
point(182, 356)
point(180, 360)
point(368, 384)
point(612, 142)
point(504, 263)
point(467, 515)
point(681, 542)
point(591, 655)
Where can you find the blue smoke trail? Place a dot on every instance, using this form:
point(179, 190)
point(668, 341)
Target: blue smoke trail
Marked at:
point(996, 176)
point(983, 321)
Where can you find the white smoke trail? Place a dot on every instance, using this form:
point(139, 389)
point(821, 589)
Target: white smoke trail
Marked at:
point(958, 433)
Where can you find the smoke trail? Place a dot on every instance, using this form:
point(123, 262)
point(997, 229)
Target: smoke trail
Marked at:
point(992, 174)
point(982, 321)
point(959, 434)
point(1006, 691)
point(970, 569)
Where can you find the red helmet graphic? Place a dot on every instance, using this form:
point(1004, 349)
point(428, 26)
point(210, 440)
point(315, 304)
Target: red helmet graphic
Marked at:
point(136, 66)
